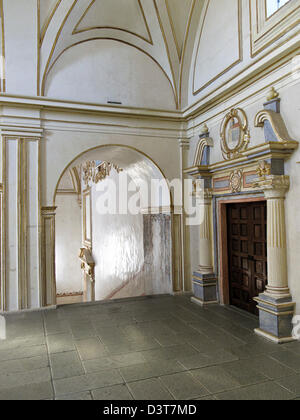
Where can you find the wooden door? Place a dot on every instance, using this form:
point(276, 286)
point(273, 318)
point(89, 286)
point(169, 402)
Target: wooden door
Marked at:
point(247, 250)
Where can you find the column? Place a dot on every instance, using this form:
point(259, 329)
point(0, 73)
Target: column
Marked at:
point(205, 239)
point(276, 309)
point(20, 219)
point(184, 235)
point(48, 256)
point(204, 279)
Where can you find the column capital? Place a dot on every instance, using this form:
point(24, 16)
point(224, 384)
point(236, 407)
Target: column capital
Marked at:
point(274, 186)
point(204, 195)
point(15, 132)
point(184, 144)
point(48, 211)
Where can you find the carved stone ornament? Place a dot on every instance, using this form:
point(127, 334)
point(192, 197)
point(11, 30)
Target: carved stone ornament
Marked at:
point(87, 263)
point(235, 134)
point(96, 173)
point(236, 179)
point(263, 169)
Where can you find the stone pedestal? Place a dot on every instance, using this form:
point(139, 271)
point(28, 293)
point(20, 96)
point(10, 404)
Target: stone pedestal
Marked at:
point(204, 288)
point(275, 318)
point(276, 309)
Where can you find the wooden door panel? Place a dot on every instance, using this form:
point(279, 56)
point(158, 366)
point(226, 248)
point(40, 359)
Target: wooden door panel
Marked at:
point(247, 252)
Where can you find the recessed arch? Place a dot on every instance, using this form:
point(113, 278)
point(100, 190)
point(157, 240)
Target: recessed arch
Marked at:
point(47, 71)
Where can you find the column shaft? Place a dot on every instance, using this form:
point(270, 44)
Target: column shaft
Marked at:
point(205, 240)
point(277, 252)
point(48, 256)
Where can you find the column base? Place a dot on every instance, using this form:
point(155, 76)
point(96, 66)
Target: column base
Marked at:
point(273, 338)
point(204, 288)
point(275, 318)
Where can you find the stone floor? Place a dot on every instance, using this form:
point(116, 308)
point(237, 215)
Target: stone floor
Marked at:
point(154, 348)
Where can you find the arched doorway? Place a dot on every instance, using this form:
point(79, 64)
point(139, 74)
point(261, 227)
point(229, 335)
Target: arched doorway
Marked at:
point(103, 255)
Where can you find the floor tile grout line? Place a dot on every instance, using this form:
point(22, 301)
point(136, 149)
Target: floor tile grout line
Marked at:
point(49, 360)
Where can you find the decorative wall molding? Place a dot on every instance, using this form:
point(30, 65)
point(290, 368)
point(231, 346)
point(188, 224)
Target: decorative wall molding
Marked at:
point(2, 64)
point(265, 31)
point(235, 134)
point(202, 155)
point(180, 49)
point(236, 181)
point(197, 90)
point(271, 120)
point(87, 218)
point(44, 27)
point(94, 173)
point(88, 267)
point(76, 30)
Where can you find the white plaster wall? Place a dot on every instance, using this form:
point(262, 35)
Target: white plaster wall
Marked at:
point(60, 147)
point(119, 250)
point(20, 33)
point(100, 71)
point(68, 244)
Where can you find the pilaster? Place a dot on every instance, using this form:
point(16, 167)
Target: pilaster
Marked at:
point(20, 218)
point(204, 279)
point(184, 145)
point(48, 256)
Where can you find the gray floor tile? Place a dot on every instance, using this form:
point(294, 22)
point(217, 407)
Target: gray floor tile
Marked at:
point(12, 380)
point(116, 361)
point(152, 369)
point(262, 392)
point(23, 365)
point(66, 365)
point(57, 327)
point(97, 348)
point(243, 373)
point(22, 353)
point(149, 390)
point(132, 347)
point(81, 396)
point(258, 347)
point(288, 358)
point(59, 343)
point(35, 391)
point(91, 348)
point(294, 347)
point(87, 382)
point(24, 342)
point(269, 367)
point(113, 393)
point(202, 360)
point(292, 384)
point(215, 379)
point(184, 386)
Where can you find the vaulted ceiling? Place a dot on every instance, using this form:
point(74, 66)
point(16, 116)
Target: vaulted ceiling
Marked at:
point(161, 29)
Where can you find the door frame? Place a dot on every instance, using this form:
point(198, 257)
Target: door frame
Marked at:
point(224, 287)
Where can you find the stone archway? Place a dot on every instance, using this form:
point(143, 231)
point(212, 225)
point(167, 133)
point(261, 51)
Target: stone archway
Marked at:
point(143, 169)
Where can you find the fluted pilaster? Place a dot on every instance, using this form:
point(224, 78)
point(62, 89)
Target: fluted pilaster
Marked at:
point(205, 234)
